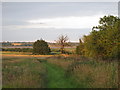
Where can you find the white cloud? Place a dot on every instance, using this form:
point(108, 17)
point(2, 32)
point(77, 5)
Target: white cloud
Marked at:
point(70, 22)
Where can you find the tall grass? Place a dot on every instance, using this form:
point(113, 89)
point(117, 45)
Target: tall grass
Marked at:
point(28, 72)
point(97, 74)
point(22, 73)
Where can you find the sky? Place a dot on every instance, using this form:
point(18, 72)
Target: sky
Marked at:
point(30, 21)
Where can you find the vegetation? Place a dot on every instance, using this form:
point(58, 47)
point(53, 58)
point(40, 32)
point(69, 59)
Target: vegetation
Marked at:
point(88, 73)
point(60, 80)
point(103, 41)
point(62, 41)
point(18, 49)
point(41, 47)
point(15, 53)
point(6, 44)
point(58, 72)
point(54, 51)
point(21, 72)
point(79, 48)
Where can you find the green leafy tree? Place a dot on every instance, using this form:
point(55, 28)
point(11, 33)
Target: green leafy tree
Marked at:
point(40, 47)
point(103, 42)
point(109, 33)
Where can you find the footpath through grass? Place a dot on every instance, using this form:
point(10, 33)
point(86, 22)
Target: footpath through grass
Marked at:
point(56, 77)
point(57, 72)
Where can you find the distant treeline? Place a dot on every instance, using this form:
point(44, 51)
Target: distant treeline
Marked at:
point(31, 44)
point(17, 43)
point(18, 49)
point(103, 41)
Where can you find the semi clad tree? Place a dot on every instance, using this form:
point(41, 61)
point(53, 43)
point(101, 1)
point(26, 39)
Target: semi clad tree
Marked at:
point(62, 42)
point(40, 47)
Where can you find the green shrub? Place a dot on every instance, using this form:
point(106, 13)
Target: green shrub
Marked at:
point(41, 47)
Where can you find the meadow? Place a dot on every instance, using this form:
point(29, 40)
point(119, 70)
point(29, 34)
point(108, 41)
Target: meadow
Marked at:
point(23, 70)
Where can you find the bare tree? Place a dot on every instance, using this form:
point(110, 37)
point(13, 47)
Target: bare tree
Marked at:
point(62, 42)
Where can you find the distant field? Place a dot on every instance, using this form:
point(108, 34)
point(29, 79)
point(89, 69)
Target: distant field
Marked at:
point(32, 47)
point(57, 71)
point(21, 54)
point(28, 50)
point(16, 53)
point(17, 47)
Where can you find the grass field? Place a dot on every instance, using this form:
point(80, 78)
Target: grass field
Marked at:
point(57, 71)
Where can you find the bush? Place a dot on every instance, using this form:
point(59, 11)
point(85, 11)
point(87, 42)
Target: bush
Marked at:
point(41, 47)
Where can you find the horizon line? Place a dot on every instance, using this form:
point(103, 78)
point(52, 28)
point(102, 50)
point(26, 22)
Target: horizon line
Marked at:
point(36, 40)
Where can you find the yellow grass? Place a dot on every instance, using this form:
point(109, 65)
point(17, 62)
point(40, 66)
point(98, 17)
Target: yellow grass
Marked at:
point(22, 54)
point(28, 55)
point(16, 44)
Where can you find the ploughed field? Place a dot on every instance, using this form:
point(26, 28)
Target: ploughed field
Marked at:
point(57, 71)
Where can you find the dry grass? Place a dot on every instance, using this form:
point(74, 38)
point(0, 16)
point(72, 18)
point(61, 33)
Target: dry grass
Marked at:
point(103, 75)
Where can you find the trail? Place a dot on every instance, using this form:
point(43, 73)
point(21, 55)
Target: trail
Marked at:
point(56, 77)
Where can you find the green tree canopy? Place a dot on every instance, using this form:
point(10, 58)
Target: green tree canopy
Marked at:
point(104, 39)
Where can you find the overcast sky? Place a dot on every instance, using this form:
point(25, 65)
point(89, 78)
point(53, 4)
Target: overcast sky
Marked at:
point(31, 21)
